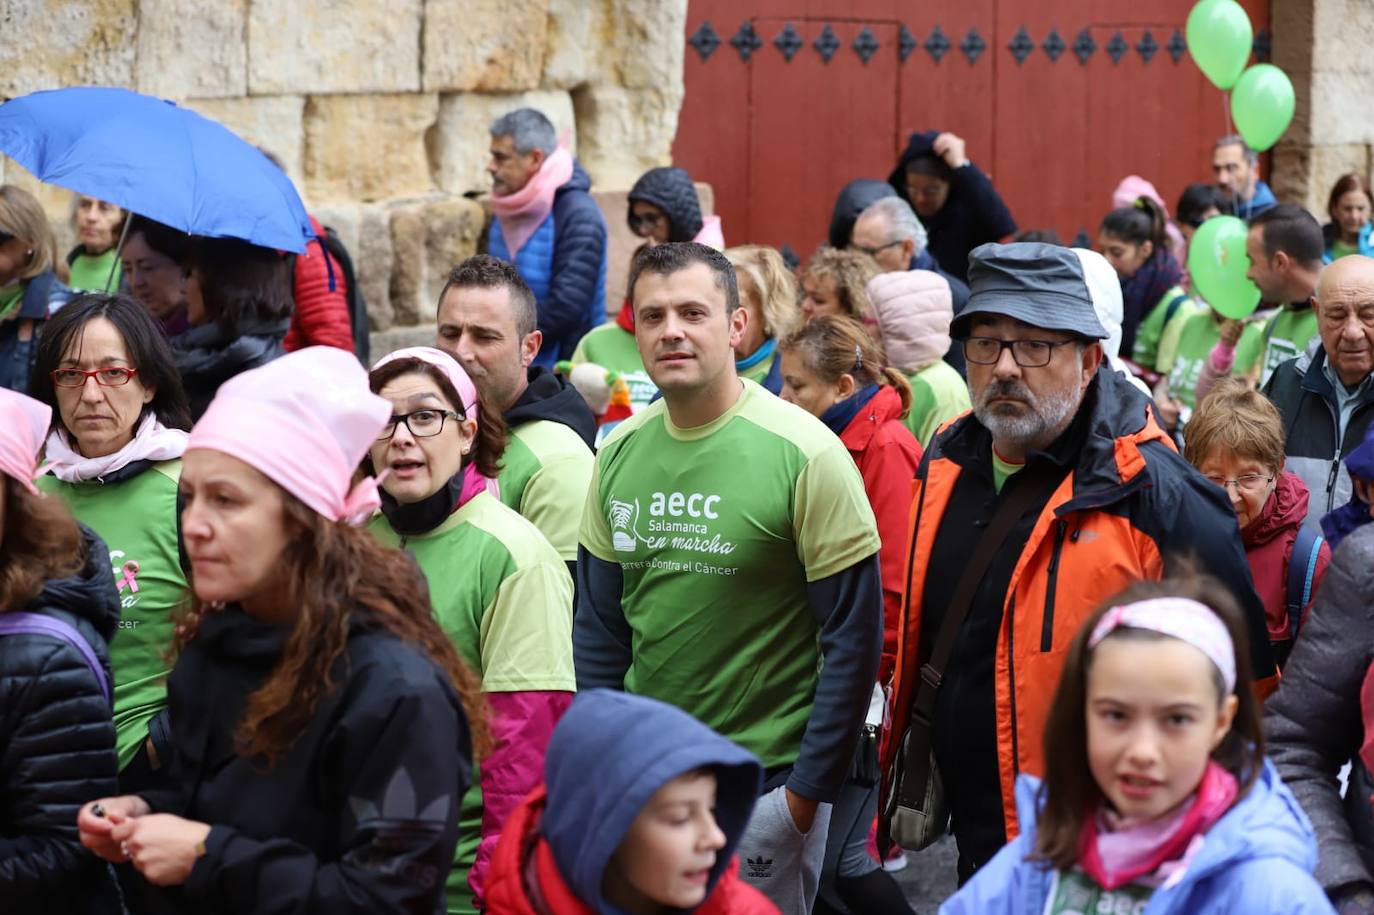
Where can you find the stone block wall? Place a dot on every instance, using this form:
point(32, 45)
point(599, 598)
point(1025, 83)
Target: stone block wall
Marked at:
point(1323, 45)
point(378, 111)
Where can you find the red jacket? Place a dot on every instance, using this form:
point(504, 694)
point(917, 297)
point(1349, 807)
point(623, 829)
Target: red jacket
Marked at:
point(321, 317)
point(887, 454)
point(1269, 547)
point(523, 858)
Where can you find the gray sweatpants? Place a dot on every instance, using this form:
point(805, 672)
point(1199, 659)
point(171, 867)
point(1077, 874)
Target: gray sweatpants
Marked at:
point(778, 859)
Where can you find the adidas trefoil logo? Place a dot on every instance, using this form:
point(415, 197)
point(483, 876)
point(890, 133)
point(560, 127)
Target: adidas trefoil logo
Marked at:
point(760, 868)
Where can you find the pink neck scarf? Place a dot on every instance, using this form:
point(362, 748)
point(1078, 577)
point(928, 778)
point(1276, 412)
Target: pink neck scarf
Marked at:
point(521, 213)
point(1114, 851)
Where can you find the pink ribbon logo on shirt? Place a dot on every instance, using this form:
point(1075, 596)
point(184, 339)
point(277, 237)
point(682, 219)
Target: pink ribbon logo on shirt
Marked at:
point(130, 578)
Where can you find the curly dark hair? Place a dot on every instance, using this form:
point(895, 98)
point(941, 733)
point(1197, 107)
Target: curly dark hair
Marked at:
point(336, 575)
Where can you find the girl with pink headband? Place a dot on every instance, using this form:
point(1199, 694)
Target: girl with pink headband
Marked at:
point(1157, 796)
point(58, 610)
point(322, 727)
point(501, 592)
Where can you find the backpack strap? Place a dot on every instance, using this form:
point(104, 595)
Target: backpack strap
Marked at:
point(1172, 307)
point(25, 623)
point(1302, 567)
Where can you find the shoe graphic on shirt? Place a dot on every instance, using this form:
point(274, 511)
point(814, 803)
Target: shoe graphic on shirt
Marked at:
point(624, 517)
point(760, 868)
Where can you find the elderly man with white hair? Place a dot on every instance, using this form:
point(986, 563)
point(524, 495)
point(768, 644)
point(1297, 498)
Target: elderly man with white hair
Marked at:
point(889, 232)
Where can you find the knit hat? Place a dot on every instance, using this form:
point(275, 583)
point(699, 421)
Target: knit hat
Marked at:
point(305, 421)
point(23, 425)
point(672, 191)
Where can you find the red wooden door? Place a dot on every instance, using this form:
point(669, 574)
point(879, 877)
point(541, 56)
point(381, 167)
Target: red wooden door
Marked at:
point(787, 100)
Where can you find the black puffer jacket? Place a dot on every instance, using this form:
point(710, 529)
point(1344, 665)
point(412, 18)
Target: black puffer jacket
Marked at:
point(672, 191)
point(57, 749)
point(207, 356)
point(360, 815)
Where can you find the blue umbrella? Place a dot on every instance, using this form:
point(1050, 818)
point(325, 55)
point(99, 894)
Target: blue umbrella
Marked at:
point(156, 159)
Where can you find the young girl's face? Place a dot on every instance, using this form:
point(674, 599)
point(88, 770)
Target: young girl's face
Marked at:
point(1153, 720)
point(666, 857)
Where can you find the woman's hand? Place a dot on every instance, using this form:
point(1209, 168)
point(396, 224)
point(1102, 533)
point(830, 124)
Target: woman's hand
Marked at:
point(99, 818)
point(162, 847)
point(950, 148)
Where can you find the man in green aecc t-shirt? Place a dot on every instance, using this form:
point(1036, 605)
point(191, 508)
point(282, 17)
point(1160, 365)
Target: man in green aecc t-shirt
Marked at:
point(727, 550)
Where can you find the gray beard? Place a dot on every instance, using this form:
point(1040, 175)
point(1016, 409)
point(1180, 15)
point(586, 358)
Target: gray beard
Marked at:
point(1036, 427)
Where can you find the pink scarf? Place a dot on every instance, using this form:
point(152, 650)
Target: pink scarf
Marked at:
point(521, 213)
point(1115, 852)
point(152, 441)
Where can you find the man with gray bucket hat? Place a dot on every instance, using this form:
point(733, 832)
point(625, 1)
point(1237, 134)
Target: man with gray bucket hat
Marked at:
point(1057, 491)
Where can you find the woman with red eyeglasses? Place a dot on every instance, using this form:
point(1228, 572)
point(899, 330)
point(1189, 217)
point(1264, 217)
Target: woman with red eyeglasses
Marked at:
point(118, 432)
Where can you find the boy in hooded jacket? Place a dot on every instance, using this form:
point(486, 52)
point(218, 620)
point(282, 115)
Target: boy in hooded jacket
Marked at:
point(641, 810)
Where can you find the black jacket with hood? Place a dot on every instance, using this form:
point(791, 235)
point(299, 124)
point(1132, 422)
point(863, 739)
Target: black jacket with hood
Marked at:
point(972, 215)
point(359, 815)
point(209, 355)
point(855, 197)
point(672, 191)
point(57, 748)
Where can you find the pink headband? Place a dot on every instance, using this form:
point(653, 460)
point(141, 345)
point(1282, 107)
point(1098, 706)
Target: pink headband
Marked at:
point(23, 426)
point(467, 393)
point(1183, 619)
point(305, 421)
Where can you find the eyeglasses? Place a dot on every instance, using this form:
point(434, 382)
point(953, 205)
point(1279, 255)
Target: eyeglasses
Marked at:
point(421, 423)
point(1029, 354)
point(874, 252)
point(4, 237)
point(645, 223)
point(114, 377)
point(1249, 483)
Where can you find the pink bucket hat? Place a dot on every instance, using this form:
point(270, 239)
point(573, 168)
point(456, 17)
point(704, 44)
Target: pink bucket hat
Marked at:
point(23, 426)
point(305, 421)
point(467, 393)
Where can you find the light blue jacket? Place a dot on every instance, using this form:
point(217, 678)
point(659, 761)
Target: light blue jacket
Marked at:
point(1257, 860)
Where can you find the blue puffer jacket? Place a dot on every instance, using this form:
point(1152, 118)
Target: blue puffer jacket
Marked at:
point(43, 295)
point(1258, 859)
point(564, 263)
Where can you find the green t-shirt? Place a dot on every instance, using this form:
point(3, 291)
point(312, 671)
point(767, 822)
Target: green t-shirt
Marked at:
point(938, 394)
point(1002, 470)
point(1075, 893)
point(1341, 249)
point(545, 473)
point(613, 347)
point(758, 373)
point(504, 598)
point(717, 530)
point(1153, 328)
point(92, 274)
point(137, 519)
point(1196, 340)
point(1285, 336)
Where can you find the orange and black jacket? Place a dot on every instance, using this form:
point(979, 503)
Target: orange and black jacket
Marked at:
point(1128, 508)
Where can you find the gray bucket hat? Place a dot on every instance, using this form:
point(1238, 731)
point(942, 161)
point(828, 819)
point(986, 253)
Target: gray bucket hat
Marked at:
point(1041, 285)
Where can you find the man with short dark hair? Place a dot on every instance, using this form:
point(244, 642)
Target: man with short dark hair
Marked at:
point(1235, 168)
point(1284, 246)
point(486, 320)
point(1326, 395)
point(729, 565)
point(1097, 498)
point(548, 226)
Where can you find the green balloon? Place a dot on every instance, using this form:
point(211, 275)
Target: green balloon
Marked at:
point(1262, 105)
point(1217, 264)
point(1219, 39)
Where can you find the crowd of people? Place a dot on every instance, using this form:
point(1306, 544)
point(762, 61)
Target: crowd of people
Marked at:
point(726, 598)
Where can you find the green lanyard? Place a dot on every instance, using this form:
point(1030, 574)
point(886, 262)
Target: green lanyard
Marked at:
point(10, 299)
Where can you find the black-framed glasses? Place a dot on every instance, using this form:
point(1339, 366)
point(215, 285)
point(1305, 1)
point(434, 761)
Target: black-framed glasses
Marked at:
point(1029, 354)
point(1247, 482)
point(112, 377)
point(421, 423)
point(874, 252)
